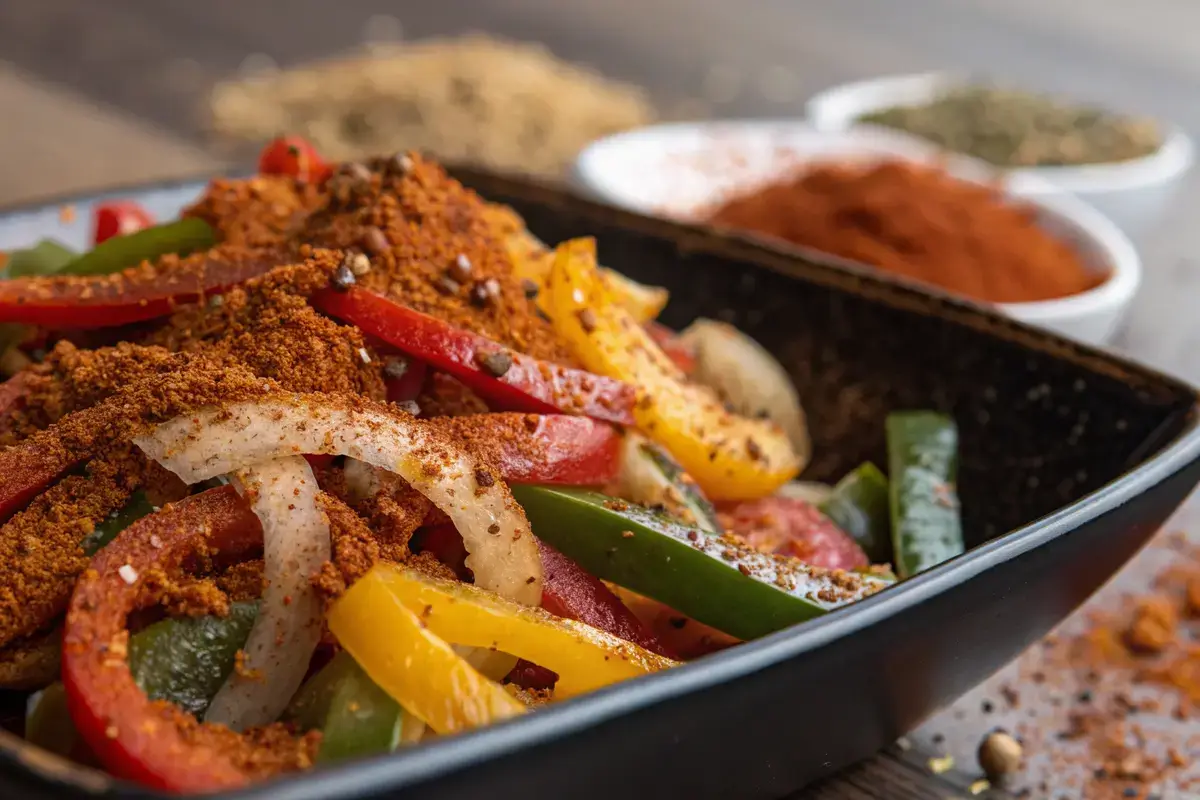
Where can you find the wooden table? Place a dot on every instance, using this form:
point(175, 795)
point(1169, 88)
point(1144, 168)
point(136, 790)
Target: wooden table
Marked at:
point(96, 93)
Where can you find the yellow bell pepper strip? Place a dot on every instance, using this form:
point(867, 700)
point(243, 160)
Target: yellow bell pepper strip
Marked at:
point(730, 456)
point(411, 663)
point(585, 658)
point(532, 261)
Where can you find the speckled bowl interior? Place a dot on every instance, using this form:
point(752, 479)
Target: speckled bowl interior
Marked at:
point(1038, 430)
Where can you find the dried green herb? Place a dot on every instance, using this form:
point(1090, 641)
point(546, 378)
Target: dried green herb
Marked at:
point(1012, 128)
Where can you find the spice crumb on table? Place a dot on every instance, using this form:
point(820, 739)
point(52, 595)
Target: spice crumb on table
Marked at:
point(1106, 707)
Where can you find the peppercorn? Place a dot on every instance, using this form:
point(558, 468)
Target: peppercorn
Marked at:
point(484, 478)
point(400, 164)
point(999, 755)
point(495, 363)
point(530, 288)
point(447, 285)
point(358, 263)
point(409, 406)
point(460, 268)
point(395, 368)
point(587, 320)
point(374, 241)
point(343, 278)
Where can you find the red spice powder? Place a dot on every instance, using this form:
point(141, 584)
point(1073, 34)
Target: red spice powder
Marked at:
point(920, 223)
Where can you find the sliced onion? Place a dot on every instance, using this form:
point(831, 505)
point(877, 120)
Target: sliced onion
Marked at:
point(283, 495)
point(502, 552)
point(808, 491)
point(364, 481)
point(650, 477)
point(748, 378)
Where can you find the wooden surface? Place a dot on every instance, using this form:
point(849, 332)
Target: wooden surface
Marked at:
point(96, 93)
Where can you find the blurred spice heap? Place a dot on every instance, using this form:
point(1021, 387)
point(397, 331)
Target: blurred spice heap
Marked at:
point(475, 99)
point(1012, 128)
point(1109, 682)
point(918, 222)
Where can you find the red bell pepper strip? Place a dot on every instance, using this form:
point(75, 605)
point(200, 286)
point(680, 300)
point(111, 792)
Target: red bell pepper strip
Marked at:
point(153, 743)
point(511, 381)
point(134, 295)
point(794, 528)
point(531, 448)
point(405, 386)
point(683, 356)
point(569, 591)
point(27, 468)
point(294, 156)
point(118, 218)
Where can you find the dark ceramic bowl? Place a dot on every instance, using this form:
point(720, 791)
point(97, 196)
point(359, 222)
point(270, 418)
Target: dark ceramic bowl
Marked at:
point(1071, 459)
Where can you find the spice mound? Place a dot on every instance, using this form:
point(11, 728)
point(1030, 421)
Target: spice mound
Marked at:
point(505, 105)
point(1012, 128)
point(920, 223)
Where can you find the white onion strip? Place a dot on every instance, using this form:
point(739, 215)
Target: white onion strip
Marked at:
point(364, 481)
point(283, 495)
point(502, 552)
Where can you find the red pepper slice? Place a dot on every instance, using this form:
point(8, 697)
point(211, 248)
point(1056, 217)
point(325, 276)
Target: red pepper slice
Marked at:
point(533, 448)
point(683, 356)
point(294, 156)
point(153, 743)
point(794, 528)
point(118, 218)
point(27, 468)
point(511, 381)
point(134, 295)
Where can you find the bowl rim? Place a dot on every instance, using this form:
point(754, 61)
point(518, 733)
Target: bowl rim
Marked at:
point(837, 107)
point(1118, 255)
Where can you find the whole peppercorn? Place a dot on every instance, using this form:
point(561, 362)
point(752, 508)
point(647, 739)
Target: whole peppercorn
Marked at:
point(999, 755)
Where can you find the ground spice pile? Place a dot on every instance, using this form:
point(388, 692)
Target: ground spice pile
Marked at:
point(920, 223)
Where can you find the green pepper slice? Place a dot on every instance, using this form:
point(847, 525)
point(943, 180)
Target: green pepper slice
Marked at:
point(136, 508)
point(355, 716)
point(186, 659)
point(859, 505)
point(47, 257)
point(717, 580)
point(923, 462)
point(113, 255)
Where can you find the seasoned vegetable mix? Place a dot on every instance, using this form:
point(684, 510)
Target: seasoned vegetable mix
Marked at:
point(376, 465)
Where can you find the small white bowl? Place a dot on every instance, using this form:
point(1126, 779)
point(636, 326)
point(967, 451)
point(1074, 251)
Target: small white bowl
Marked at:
point(1135, 194)
point(678, 171)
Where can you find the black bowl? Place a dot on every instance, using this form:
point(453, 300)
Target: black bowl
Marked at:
point(1071, 459)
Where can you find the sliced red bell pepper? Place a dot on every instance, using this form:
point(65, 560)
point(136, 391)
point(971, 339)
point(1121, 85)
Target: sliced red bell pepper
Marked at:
point(569, 591)
point(27, 468)
point(509, 380)
point(683, 356)
point(134, 295)
point(403, 385)
point(118, 218)
point(294, 156)
point(794, 528)
point(154, 743)
point(533, 448)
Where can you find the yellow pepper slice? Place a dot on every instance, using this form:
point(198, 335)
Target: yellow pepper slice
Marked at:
point(584, 658)
point(730, 456)
point(532, 261)
point(420, 671)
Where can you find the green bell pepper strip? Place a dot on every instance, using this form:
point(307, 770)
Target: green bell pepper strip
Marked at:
point(120, 252)
point(47, 257)
point(923, 462)
point(355, 716)
point(136, 508)
point(717, 580)
point(186, 659)
point(859, 505)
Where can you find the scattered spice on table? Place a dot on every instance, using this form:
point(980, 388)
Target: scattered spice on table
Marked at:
point(1118, 674)
point(918, 222)
point(501, 104)
point(1013, 128)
